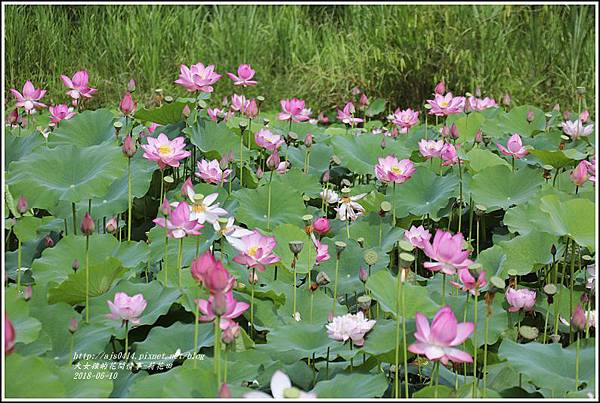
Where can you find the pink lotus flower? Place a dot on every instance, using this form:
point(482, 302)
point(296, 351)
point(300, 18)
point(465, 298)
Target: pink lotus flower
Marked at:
point(431, 148)
point(273, 161)
point(164, 151)
point(323, 118)
point(111, 225)
point(126, 308)
point(203, 264)
point(585, 115)
point(251, 111)
point(216, 278)
point(211, 172)
point(239, 103)
point(438, 342)
point(477, 104)
point(470, 283)
point(578, 319)
point(346, 115)
point(256, 250)
point(444, 105)
point(231, 231)
point(363, 100)
point(267, 140)
point(198, 77)
point(574, 129)
point(233, 309)
point(215, 114)
point(283, 167)
point(417, 236)
point(440, 88)
point(14, 119)
point(60, 112)
point(321, 225)
point(9, 335)
point(591, 167)
point(322, 249)
point(404, 119)
point(127, 105)
point(520, 299)
point(449, 155)
point(580, 174)
point(244, 75)
point(390, 169)
point(515, 147)
point(78, 85)
point(350, 326)
point(178, 223)
point(294, 110)
point(447, 253)
point(30, 97)
point(152, 128)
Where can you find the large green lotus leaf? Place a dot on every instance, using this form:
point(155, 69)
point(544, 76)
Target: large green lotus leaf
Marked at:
point(515, 121)
point(558, 158)
point(167, 340)
point(357, 385)
point(492, 258)
point(381, 341)
point(360, 153)
point(210, 136)
point(55, 264)
point(27, 328)
point(383, 287)
point(524, 252)
point(574, 218)
point(84, 129)
point(28, 377)
point(424, 193)
point(286, 205)
point(27, 227)
point(99, 386)
point(285, 233)
point(318, 162)
point(295, 179)
point(467, 125)
point(549, 365)
point(101, 277)
point(479, 159)
point(66, 173)
point(159, 300)
point(90, 337)
point(368, 228)
point(498, 187)
point(376, 107)
point(114, 201)
point(165, 114)
point(302, 338)
point(15, 146)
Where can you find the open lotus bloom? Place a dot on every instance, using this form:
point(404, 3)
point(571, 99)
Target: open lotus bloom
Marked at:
point(205, 209)
point(431, 148)
point(330, 196)
point(233, 309)
point(576, 129)
point(266, 139)
point(281, 388)
point(514, 147)
point(439, 341)
point(178, 223)
point(468, 282)
point(417, 236)
point(30, 97)
point(449, 154)
point(126, 308)
point(211, 172)
point(197, 77)
point(350, 327)
point(404, 119)
point(522, 298)
point(349, 208)
point(444, 105)
point(60, 112)
point(215, 114)
point(346, 115)
point(78, 85)
point(478, 104)
point(245, 73)
point(231, 231)
point(392, 170)
point(322, 249)
point(294, 110)
point(447, 252)
point(164, 151)
point(256, 250)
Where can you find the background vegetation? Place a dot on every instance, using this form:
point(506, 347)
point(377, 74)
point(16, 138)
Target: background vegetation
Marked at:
point(538, 54)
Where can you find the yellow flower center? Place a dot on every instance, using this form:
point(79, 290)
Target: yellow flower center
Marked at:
point(444, 104)
point(198, 208)
point(164, 150)
point(346, 200)
point(252, 251)
point(396, 169)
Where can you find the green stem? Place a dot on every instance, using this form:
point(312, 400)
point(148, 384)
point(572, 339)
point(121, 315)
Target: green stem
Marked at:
point(87, 279)
point(312, 294)
point(241, 158)
point(217, 355)
point(295, 285)
point(19, 251)
point(74, 219)
point(196, 334)
point(126, 339)
point(485, 349)
point(437, 378)
point(470, 218)
point(443, 289)
point(71, 350)
point(337, 269)
point(572, 278)
point(546, 322)
point(394, 204)
point(404, 348)
point(397, 354)
point(348, 227)
point(166, 257)
point(252, 303)
point(475, 346)
point(269, 202)
point(577, 364)
point(129, 199)
point(180, 260)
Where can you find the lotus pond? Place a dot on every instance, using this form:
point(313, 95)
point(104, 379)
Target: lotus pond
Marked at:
point(198, 248)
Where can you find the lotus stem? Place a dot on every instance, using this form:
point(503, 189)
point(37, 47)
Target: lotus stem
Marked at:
point(572, 280)
point(513, 163)
point(347, 227)
point(87, 279)
point(166, 257)
point(577, 363)
point(71, 350)
point(241, 158)
point(404, 348)
point(126, 339)
point(129, 199)
point(19, 251)
point(74, 218)
point(443, 289)
point(485, 349)
point(337, 269)
point(470, 218)
point(196, 334)
point(269, 201)
point(546, 322)
point(225, 364)
point(394, 204)
point(217, 354)
point(180, 261)
point(312, 295)
point(475, 346)
point(252, 303)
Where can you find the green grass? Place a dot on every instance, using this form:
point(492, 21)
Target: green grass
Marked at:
point(538, 54)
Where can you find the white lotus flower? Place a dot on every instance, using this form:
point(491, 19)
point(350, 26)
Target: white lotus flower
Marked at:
point(203, 210)
point(350, 326)
point(230, 231)
point(349, 209)
point(330, 196)
point(575, 129)
point(281, 388)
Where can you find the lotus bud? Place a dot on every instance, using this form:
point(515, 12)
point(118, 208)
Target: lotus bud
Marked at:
point(48, 241)
point(506, 100)
point(186, 111)
point(363, 101)
point(219, 304)
point(566, 115)
point(355, 91)
point(530, 116)
point(129, 148)
point(127, 105)
point(578, 319)
point(322, 278)
point(478, 136)
point(440, 88)
point(131, 85)
point(87, 225)
point(230, 334)
point(339, 248)
point(259, 173)
point(584, 298)
point(27, 293)
point(224, 392)
point(468, 107)
point(330, 316)
point(553, 250)
point(111, 225)
point(445, 131)
point(187, 185)
point(165, 207)
point(252, 109)
point(273, 160)
point(556, 108)
point(13, 117)
point(585, 115)
point(253, 277)
point(363, 275)
point(75, 265)
point(364, 302)
point(308, 140)
point(321, 225)
point(478, 92)
point(73, 325)
point(454, 131)
point(326, 176)
point(22, 205)
point(296, 247)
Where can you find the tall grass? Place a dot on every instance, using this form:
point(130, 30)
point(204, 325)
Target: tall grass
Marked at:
point(537, 54)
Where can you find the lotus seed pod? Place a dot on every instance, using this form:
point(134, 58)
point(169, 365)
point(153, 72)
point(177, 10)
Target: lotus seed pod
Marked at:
point(292, 136)
point(296, 246)
point(528, 332)
point(480, 209)
point(405, 259)
point(555, 338)
point(118, 126)
point(361, 241)
point(243, 125)
point(169, 99)
point(169, 179)
point(339, 247)
point(580, 91)
point(322, 278)
point(308, 219)
point(550, 289)
point(364, 302)
point(385, 206)
point(335, 160)
point(346, 190)
point(405, 246)
point(87, 225)
point(370, 257)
